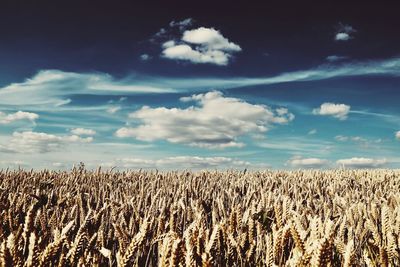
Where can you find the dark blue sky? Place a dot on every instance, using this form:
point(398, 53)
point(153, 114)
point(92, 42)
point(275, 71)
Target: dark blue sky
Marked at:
point(109, 36)
point(285, 84)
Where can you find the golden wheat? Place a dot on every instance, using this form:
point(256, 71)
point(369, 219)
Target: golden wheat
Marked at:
point(209, 218)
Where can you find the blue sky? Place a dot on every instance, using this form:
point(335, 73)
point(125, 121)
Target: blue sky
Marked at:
point(191, 92)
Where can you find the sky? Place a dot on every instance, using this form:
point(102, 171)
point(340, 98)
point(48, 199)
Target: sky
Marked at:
point(213, 85)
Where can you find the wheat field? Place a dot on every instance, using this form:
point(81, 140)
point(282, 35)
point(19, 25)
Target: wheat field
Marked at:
point(209, 218)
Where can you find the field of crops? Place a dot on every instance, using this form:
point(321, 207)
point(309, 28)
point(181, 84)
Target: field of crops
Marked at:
point(232, 218)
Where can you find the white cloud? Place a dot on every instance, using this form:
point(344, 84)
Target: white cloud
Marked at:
point(342, 36)
point(113, 110)
point(298, 162)
point(168, 44)
point(312, 132)
point(182, 25)
point(341, 138)
point(51, 88)
point(210, 38)
point(339, 111)
point(362, 162)
point(58, 164)
point(35, 142)
point(179, 162)
point(201, 45)
point(397, 135)
point(216, 121)
point(145, 57)
point(19, 115)
point(12, 164)
point(83, 131)
point(344, 32)
point(335, 58)
point(54, 87)
point(362, 141)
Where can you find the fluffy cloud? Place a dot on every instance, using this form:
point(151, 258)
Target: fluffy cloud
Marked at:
point(339, 111)
point(342, 36)
point(83, 131)
point(397, 135)
point(307, 162)
point(181, 162)
point(35, 142)
point(19, 115)
point(202, 45)
point(362, 162)
point(216, 121)
point(344, 32)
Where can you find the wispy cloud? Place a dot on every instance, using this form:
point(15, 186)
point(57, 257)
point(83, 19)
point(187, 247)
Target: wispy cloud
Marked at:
point(298, 162)
point(55, 87)
point(312, 132)
point(145, 57)
point(297, 145)
point(362, 163)
point(184, 162)
point(182, 24)
point(335, 58)
point(36, 142)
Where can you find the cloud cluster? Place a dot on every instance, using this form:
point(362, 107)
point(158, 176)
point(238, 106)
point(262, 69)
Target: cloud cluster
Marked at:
point(184, 162)
point(215, 122)
point(201, 45)
point(397, 135)
point(344, 32)
point(298, 162)
point(339, 111)
point(17, 116)
point(362, 163)
point(35, 142)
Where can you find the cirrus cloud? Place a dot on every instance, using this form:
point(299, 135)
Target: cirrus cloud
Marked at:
point(215, 122)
